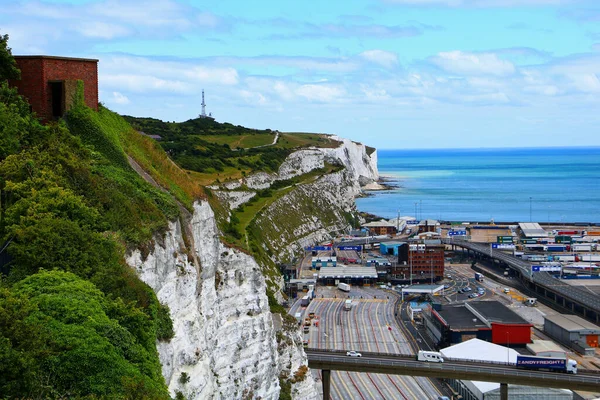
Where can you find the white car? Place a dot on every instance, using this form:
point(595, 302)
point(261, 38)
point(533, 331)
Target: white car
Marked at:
point(353, 354)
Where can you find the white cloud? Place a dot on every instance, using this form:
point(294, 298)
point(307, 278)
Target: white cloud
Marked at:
point(223, 76)
point(483, 3)
point(118, 98)
point(384, 58)
point(464, 63)
point(105, 20)
point(321, 93)
point(102, 30)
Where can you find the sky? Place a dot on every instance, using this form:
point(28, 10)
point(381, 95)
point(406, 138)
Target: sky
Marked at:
point(388, 73)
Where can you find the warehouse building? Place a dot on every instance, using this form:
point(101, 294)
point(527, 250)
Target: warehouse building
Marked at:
point(480, 350)
point(573, 331)
point(382, 227)
point(490, 321)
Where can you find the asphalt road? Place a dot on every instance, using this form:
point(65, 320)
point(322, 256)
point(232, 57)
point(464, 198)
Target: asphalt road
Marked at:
point(369, 326)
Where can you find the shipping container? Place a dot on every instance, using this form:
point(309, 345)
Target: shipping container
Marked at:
point(304, 302)
point(561, 233)
point(529, 241)
point(581, 247)
point(505, 239)
point(563, 239)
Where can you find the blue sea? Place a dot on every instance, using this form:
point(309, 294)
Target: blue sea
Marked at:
point(478, 185)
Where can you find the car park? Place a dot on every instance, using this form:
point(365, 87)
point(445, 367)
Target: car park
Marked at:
point(353, 354)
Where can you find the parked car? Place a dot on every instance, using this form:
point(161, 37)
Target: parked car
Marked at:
point(353, 354)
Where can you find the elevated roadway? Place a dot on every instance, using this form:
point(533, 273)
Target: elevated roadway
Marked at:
point(328, 360)
point(572, 298)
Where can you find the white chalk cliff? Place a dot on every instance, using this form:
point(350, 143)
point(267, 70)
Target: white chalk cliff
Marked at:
point(225, 338)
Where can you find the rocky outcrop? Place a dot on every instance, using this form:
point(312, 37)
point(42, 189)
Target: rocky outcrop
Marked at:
point(234, 198)
point(225, 344)
point(224, 336)
point(313, 212)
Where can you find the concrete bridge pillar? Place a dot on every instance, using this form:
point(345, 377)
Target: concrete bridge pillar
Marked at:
point(503, 391)
point(326, 376)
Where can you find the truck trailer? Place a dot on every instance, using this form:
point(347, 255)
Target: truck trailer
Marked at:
point(547, 363)
point(344, 287)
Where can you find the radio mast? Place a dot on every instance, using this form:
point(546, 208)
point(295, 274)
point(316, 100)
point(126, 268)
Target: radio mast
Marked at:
point(203, 115)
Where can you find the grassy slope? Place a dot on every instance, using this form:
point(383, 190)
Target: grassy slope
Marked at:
point(241, 141)
point(72, 203)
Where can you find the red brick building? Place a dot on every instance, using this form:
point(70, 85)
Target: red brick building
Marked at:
point(49, 83)
point(423, 259)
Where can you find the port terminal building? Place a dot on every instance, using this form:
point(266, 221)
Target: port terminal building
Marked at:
point(354, 275)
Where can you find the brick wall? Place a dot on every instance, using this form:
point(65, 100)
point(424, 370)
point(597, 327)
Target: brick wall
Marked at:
point(38, 71)
point(69, 69)
point(32, 85)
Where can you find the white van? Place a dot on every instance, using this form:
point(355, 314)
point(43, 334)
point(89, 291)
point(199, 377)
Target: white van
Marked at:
point(430, 356)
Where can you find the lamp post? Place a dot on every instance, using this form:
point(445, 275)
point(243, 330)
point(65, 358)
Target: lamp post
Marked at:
point(530, 220)
point(507, 348)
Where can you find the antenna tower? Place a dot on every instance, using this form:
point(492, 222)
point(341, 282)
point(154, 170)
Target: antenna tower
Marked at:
point(203, 115)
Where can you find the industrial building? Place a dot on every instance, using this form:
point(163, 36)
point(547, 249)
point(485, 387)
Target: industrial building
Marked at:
point(490, 321)
point(323, 261)
point(429, 225)
point(423, 261)
point(49, 83)
point(532, 230)
point(573, 331)
point(480, 350)
point(546, 348)
point(382, 227)
point(359, 276)
point(392, 247)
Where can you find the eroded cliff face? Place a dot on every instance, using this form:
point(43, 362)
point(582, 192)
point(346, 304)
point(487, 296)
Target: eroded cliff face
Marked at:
point(225, 339)
point(224, 335)
point(312, 212)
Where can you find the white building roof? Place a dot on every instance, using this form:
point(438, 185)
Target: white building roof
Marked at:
point(532, 229)
point(383, 222)
point(347, 272)
point(429, 222)
point(572, 323)
point(432, 289)
point(540, 346)
point(480, 350)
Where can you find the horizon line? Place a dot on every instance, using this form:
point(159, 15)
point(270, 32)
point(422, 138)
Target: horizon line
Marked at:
point(491, 148)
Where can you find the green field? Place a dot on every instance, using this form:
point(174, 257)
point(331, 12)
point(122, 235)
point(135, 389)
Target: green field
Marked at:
point(293, 140)
point(244, 141)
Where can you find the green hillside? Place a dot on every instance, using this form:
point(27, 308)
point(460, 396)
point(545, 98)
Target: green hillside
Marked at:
point(75, 320)
point(218, 152)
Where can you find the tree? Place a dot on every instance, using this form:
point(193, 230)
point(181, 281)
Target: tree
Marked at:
point(59, 340)
point(8, 65)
